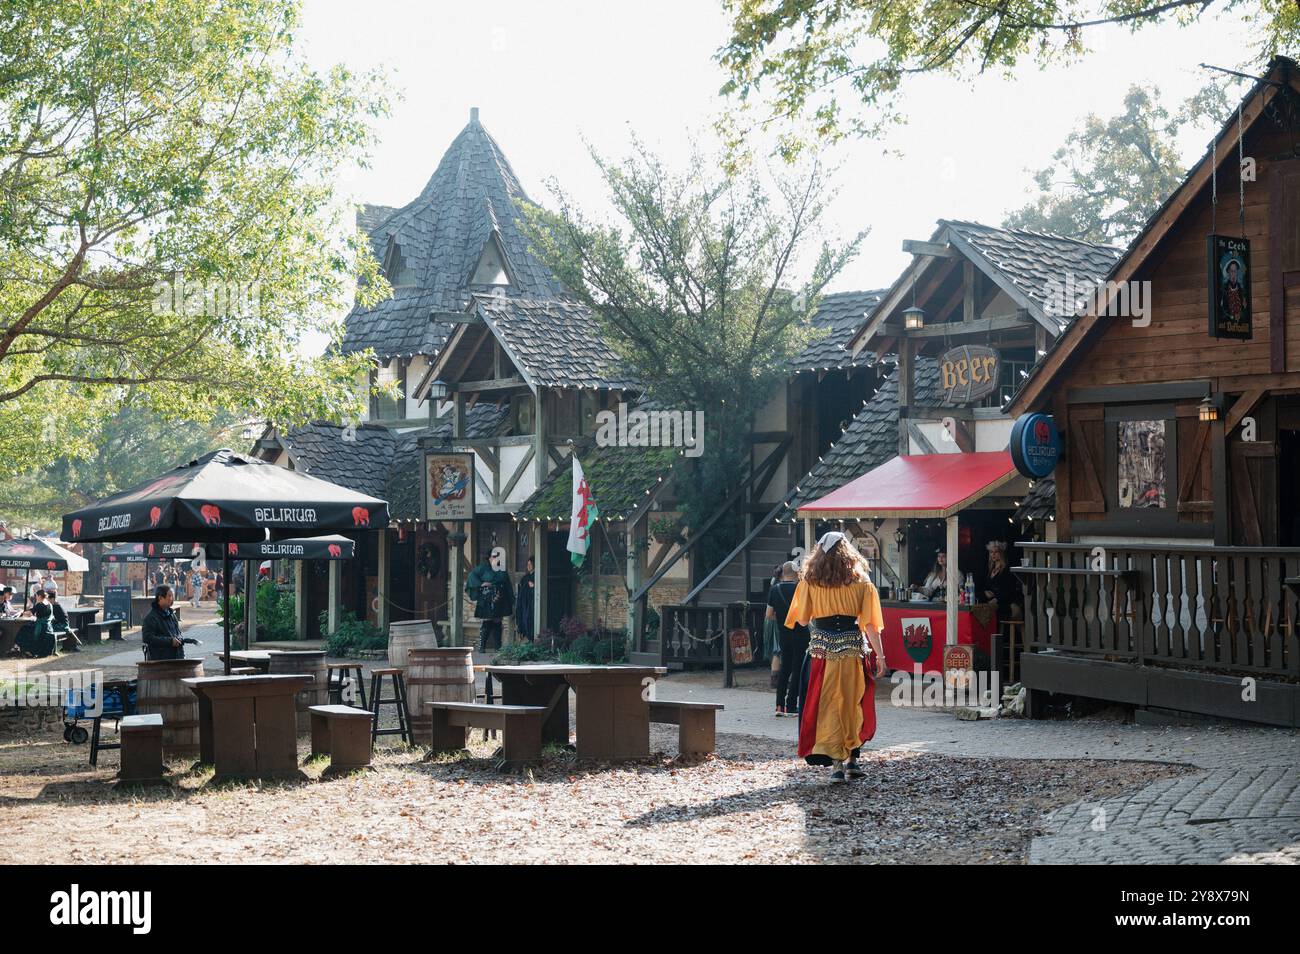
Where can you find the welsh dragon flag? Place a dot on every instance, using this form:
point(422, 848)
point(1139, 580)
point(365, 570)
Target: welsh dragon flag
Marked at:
point(583, 517)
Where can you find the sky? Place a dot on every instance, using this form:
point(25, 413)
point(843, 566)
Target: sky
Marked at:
point(551, 77)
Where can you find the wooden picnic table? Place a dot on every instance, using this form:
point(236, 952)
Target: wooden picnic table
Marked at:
point(613, 711)
point(9, 630)
point(248, 724)
point(259, 659)
point(79, 617)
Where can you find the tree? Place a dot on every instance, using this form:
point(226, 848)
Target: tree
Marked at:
point(1111, 175)
point(797, 56)
point(694, 284)
point(168, 225)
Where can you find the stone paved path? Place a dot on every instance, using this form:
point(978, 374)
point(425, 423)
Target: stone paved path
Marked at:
point(1244, 808)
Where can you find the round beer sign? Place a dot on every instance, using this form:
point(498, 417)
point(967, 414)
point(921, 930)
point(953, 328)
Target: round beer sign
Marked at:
point(1035, 445)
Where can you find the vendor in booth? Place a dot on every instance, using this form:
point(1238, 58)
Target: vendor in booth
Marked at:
point(1001, 587)
point(935, 585)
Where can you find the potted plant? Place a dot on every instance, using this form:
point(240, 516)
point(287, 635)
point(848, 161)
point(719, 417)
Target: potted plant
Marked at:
point(664, 530)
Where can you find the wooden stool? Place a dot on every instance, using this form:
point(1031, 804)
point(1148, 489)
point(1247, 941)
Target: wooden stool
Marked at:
point(696, 724)
point(344, 672)
point(342, 733)
point(398, 698)
point(142, 748)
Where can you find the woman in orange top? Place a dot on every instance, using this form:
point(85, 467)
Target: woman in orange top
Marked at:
point(838, 603)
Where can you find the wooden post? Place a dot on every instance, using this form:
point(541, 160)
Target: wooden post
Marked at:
point(381, 587)
point(455, 598)
point(954, 579)
point(635, 575)
point(335, 606)
point(807, 536)
point(904, 373)
point(539, 577)
point(300, 598)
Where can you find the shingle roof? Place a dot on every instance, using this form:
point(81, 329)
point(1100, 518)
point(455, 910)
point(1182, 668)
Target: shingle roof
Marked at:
point(377, 460)
point(554, 342)
point(618, 476)
point(472, 195)
point(871, 437)
point(1036, 262)
point(1039, 503)
point(841, 314)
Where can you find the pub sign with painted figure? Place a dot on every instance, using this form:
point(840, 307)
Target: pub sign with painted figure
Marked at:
point(1229, 287)
point(448, 486)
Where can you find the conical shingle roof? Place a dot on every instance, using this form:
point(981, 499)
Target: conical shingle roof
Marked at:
point(472, 199)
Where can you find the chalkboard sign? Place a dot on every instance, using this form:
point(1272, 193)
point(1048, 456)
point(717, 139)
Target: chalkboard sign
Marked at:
point(117, 604)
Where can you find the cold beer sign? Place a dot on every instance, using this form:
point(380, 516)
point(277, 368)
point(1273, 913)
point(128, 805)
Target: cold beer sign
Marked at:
point(968, 373)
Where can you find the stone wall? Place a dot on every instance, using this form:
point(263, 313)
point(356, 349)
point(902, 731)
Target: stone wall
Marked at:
point(23, 722)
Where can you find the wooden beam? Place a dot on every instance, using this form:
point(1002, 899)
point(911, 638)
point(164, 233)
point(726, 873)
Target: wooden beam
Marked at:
point(519, 472)
point(969, 291)
point(932, 249)
point(914, 432)
point(962, 435)
point(1241, 408)
point(977, 326)
point(513, 383)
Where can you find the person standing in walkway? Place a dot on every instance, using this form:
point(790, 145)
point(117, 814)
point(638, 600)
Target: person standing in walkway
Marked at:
point(524, 603)
point(792, 642)
point(196, 587)
point(161, 630)
point(838, 603)
point(489, 588)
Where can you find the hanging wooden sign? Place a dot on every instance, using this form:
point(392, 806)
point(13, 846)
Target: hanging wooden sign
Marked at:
point(1229, 287)
point(968, 373)
point(742, 651)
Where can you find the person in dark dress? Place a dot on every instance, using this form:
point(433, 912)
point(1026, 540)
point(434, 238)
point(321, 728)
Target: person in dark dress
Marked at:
point(39, 640)
point(793, 642)
point(161, 630)
point(524, 603)
point(1002, 588)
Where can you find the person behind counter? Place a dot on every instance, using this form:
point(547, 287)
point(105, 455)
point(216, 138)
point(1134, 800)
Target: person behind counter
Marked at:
point(838, 712)
point(935, 586)
point(1002, 588)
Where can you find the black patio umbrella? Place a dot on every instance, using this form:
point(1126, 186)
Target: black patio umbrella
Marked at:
point(224, 497)
point(125, 553)
point(331, 546)
point(35, 553)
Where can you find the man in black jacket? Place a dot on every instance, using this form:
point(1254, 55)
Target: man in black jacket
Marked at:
point(161, 631)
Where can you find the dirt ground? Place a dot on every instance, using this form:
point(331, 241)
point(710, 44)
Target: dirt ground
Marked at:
point(750, 803)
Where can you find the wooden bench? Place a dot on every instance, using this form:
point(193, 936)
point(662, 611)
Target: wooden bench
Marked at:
point(142, 748)
point(95, 631)
point(342, 733)
point(520, 727)
point(696, 724)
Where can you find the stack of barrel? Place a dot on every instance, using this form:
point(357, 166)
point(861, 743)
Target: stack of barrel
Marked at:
point(159, 690)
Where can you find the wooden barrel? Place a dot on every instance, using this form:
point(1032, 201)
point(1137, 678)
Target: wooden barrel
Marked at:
point(305, 662)
point(407, 635)
point(437, 675)
point(159, 690)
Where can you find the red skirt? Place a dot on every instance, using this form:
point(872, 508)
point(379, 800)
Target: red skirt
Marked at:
point(839, 708)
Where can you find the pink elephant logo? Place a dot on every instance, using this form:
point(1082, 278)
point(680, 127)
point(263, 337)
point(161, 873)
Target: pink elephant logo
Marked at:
point(360, 517)
point(211, 514)
point(151, 545)
point(155, 514)
point(76, 528)
point(232, 549)
point(335, 550)
point(25, 548)
point(49, 565)
point(1042, 433)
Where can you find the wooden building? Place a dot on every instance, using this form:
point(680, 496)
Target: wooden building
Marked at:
point(1176, 507)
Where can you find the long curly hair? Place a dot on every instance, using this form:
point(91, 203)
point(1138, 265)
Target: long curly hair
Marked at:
point(840, 566)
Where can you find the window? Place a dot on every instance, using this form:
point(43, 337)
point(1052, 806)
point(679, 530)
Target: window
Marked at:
point(1141, 476)
point(491, 269)
point(1011, 363)
point(395, 268)
point(383, 407)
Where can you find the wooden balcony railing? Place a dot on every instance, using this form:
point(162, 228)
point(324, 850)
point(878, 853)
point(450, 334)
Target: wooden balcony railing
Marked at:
point(1217, 608)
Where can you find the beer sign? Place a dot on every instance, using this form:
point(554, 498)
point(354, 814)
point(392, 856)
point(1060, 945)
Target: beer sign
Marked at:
point(968, 373)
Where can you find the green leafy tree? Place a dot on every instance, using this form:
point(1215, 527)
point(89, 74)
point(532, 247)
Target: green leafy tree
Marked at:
point(1111, 175)
point(169, 230)
point(696, 282)
point(827, 69)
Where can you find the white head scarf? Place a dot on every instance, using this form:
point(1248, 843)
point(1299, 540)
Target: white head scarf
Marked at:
point(832, 539)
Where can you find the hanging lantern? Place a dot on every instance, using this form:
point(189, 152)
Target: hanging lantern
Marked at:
point(913, 318)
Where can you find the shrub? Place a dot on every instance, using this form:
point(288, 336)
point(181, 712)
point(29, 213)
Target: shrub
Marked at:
point(523, 652)
point(353, 635)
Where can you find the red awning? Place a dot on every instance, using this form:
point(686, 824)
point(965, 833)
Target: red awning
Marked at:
point(917, 485)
